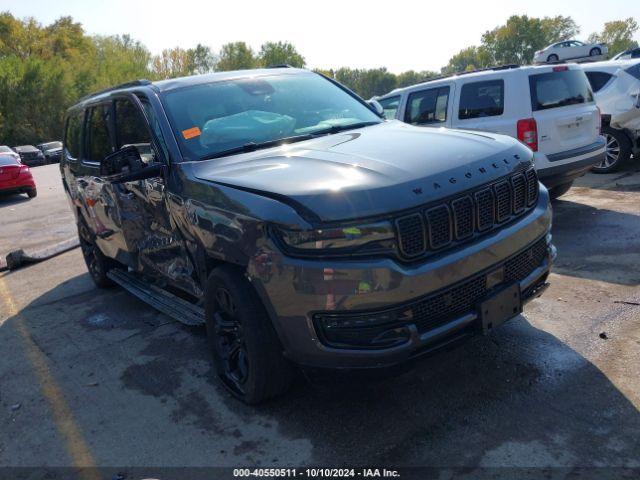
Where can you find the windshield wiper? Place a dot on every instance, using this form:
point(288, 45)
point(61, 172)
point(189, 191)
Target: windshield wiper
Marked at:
point(342, 128)
point(252, 146)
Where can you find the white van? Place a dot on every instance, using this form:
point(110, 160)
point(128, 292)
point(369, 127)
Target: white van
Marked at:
point(548, 108)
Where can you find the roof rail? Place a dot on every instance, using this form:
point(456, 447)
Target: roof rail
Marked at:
point(134, 83)
point(467, 72)
point(279, 65)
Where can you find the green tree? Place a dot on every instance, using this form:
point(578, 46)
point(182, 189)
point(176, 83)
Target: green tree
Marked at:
point(617, 35)
point(202, 59)
point(279, 53)
point(518, 39)
point(366, 82)
point(411, 77)
point(236, 56)
point(470, 58)
point(172, 62)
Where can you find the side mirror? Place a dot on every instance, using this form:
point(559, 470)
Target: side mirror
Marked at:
point(376, 107)
point(126, 160)
point(126, 165)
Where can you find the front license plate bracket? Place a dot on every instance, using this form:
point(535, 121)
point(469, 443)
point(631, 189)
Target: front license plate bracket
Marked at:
point(500, 307)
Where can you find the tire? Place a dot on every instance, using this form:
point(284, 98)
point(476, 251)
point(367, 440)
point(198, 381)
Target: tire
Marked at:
point(552, 58)
point(246, 350)
point(617, 151)
point(560, 190)
point(595, 51)
point(97, 263)
point(33, 193)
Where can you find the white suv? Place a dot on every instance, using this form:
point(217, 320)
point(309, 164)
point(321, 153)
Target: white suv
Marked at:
point(548, 108)
point(616, 86)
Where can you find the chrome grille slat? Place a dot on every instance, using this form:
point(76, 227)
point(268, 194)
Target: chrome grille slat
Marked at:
point(461, 218)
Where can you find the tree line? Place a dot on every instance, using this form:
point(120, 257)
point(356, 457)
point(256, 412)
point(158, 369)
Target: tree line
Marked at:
point(45, 69)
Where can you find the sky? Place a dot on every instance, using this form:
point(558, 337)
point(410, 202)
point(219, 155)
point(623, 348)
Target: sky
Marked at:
point(397, 34)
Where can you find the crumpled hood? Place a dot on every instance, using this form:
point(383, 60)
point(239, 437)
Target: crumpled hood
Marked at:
point(369, 171)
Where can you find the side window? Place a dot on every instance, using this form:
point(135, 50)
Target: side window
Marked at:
point(598, 79)
point(73, 135)
point(131, 128)
point(390, 106)
point(427, 106)
point(481, 99)
point(98, 137)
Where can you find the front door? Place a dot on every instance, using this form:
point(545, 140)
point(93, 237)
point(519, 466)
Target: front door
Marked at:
point(147, 224)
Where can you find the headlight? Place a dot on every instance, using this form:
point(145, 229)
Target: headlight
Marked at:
point(372, 238)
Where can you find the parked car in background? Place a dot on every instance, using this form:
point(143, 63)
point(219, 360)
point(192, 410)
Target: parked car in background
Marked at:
point(6, 150)
point(52, 151)
point(616, 86)
point(313, 232)
point(569, 50)
point(548, 108)
point(15, 177)
point(30, 155)
point(628, 54)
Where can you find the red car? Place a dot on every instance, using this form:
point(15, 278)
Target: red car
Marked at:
point(16, 177)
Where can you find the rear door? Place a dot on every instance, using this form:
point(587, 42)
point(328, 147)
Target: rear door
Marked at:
point(563, 107)
point(480, 105)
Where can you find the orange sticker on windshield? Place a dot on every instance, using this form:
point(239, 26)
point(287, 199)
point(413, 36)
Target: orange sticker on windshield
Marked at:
point(191, 133)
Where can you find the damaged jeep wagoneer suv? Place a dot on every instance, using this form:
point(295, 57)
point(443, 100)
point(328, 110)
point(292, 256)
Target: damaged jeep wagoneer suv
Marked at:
point(280, 209)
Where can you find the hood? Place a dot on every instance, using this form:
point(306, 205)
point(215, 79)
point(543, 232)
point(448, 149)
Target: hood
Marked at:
point(369, 171)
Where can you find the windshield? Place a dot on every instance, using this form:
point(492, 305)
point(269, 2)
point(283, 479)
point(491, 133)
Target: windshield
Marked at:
point(5, 149)
point(220, 116)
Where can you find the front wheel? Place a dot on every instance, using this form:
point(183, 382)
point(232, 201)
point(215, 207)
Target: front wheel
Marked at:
point(33, 193)
point(97, 263)
point(595, 51)
point(245, 347)
point(617, 151)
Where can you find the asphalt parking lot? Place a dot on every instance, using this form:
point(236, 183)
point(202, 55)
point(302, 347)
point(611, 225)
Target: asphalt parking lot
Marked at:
point(95, 377)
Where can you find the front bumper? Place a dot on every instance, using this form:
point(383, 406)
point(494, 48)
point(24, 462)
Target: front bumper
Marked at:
point(294, 291)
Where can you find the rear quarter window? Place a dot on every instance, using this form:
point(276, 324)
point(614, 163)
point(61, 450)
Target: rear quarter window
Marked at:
point(597, 80)
point(481, 99)
point(559, 89)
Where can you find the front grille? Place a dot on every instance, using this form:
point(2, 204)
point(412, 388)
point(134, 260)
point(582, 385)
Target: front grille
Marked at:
point(439, 226)
point(433, 311)
point(412, 241)
point(461, 218)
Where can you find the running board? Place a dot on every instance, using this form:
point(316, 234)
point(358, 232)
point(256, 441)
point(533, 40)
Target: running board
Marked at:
point(169, 304)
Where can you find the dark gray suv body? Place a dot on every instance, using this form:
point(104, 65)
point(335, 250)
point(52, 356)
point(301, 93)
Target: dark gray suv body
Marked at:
point(311, 231)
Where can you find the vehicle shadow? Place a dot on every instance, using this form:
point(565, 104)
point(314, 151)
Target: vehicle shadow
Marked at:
point(627, 179)
point(593, 241)
point(520, 397)
point(7, 200)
